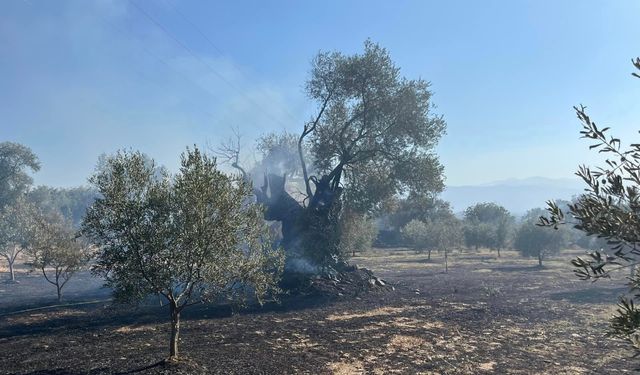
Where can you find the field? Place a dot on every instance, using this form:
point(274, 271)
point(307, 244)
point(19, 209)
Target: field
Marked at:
point(486, 315)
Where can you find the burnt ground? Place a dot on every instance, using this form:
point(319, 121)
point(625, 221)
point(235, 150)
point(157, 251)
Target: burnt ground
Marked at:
point(486, 315)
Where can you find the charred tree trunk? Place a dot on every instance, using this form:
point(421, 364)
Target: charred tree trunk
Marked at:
point(282, 207)
point(175, 330)
point(309, 234)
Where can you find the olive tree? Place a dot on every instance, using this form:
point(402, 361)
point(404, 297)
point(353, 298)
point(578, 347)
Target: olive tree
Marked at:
point(372, 137)
point(443, 234)
point(487, 224)
point(357, 233)
point(55, 250)
point(610, 210)
point(15, 162)
point(533, 241)
point(191, 237)
point(415, 233)
point(446, 235)
point(16, 231)
point(424, 207)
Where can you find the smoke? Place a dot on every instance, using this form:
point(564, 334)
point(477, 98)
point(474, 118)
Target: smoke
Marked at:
point(300, 265)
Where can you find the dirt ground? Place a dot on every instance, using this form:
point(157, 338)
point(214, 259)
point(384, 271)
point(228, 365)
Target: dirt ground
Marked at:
point(486, 315)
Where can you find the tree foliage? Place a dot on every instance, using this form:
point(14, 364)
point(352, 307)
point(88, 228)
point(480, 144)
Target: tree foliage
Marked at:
point(15, 162)
point(533, 241)
point(55, 250)
point(375, 128)
point(16, 231)
point(71, 203)
point(610, 210)
point(446, 235)
point(357, 233)
point(192, 237)
point(415, 233)
point(415, 207)
point(443, 234)
point(488, 225)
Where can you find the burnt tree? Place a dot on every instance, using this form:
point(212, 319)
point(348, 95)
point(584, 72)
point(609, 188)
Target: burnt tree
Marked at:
point(372, 138)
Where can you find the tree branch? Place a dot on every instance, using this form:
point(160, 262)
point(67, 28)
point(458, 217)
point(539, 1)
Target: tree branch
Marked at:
point(308, 129)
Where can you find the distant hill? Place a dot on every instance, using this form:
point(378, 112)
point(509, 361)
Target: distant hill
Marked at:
point(517, 195)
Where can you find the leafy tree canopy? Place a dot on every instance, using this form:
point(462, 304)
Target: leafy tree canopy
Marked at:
point(55, 249)
point(415, 206)
point(71, 203)
point(487, 224)
point(533, 241)
point(16, 230)
point(375, 128)
point(15, 162)
point(191, 237)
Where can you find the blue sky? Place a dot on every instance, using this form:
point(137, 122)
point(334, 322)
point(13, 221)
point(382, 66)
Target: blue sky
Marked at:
point(81, 78)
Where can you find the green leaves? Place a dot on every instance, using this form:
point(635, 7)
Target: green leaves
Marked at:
point(195, 236)
point(357, 233)
point(377, 132)
point(56, 250)
point(535, 241)
point(487, 224)
point(609, 210)
point(444, 233)
point(15, 161)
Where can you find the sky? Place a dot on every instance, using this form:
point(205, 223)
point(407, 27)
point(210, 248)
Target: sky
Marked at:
point(83, 78)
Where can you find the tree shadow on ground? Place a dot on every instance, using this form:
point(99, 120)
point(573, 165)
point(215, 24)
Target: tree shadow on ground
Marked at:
point(95, 318)
point(61, 371)
point(144, 368)
point(518, 268)
point(590, 295)
point(422, 260)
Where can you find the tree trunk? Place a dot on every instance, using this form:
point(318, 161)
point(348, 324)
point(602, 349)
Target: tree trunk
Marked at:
point(429, 255)
point(13, 275)
point(446, 261)
point(498, 252)
point(304, 228)
point(59, 289)
point(175, 330)
point(540, 259)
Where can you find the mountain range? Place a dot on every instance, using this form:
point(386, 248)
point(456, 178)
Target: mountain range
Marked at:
point(516, 195)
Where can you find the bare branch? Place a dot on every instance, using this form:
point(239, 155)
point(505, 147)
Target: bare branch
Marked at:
point(229, 152)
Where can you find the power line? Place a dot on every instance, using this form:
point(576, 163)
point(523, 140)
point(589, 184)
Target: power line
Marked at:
point(167, 65)
point(214, 46)
point(203, 62)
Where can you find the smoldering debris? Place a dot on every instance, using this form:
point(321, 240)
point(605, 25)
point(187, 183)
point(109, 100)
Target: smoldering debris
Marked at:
point(352, 281)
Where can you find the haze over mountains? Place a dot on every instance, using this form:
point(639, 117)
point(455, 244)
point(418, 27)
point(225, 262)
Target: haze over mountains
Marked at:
point(516, 195)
